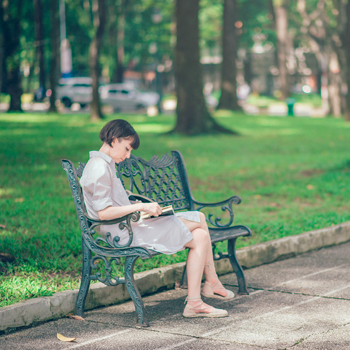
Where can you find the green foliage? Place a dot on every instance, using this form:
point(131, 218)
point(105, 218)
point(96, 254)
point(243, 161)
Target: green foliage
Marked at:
point(292, 174)
point(140, 32)
point(210, 19)
point(256, 19)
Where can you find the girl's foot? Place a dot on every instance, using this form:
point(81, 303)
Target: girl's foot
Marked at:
point(213, 287)
point(216, 290)
point(197, 308)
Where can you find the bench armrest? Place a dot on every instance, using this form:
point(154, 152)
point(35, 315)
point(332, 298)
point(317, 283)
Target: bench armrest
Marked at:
point(124, 223)
point(226, 205)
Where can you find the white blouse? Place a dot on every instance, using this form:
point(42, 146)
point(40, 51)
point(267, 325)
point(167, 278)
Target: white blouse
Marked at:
point(102, 188)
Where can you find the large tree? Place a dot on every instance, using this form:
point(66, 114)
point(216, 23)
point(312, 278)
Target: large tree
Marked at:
point(10, 24)
point(116, 36)
point(193, 116)
point(99, 9)
point(228, 99)
point(326, 28)
point(346, 45)
point(55, 52)
point(39, 39)
point(281, 17)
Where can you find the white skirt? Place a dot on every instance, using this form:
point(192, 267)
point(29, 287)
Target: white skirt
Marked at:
point(167, 234)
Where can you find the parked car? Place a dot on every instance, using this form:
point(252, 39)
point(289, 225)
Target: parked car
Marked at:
point(119, 96)
point(126, 97)
point(74, 90)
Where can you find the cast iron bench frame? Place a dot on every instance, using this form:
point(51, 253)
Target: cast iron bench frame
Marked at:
point(165, 180)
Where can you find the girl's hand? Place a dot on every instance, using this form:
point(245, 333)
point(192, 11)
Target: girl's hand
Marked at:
point(153, 209)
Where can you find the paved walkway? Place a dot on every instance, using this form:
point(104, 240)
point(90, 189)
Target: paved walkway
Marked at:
point(299, 303)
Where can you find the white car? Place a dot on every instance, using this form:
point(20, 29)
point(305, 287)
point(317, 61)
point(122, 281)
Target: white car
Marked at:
point(74, 90)
point(124, 97)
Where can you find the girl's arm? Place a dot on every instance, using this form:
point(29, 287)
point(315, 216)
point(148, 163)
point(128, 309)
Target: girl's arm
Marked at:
point(110, 213)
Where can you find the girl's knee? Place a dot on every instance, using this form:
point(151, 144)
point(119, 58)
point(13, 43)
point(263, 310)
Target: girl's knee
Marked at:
point(203, 235)
point(200, 234)
point(202, 217)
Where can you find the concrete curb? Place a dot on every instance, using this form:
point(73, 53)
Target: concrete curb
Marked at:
point(33, 311)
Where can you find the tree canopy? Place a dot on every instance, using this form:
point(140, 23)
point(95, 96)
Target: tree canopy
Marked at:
point(281, 42)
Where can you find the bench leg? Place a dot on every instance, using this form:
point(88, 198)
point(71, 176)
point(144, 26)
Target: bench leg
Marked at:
point(183, 284)
point(134, 292)
point(85, 282)
point(242, 289)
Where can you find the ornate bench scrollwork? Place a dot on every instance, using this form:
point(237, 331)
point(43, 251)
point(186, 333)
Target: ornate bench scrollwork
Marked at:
point(226, 206)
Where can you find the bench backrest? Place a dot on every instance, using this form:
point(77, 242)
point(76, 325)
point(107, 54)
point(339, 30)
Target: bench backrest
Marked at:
point(163, 179)
point(77, 194)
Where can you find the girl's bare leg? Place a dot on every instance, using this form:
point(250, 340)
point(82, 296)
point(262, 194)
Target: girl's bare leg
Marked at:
point(209, 267)
point(196, 260)
point(195, 265)
point(200, 258)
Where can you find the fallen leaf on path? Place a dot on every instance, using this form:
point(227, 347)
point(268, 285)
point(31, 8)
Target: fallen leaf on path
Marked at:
point(63, 338)
point(76, 317)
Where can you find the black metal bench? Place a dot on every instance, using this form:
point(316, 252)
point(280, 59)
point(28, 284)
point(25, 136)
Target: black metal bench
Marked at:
point(165, 180)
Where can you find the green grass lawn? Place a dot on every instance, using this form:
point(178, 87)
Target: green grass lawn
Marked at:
point(293, 175)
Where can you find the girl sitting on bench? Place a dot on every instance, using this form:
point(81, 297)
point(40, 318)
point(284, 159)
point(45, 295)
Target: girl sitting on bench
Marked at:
point(106, 199)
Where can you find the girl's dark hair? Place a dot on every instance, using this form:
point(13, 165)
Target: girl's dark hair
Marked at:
point(120, 129)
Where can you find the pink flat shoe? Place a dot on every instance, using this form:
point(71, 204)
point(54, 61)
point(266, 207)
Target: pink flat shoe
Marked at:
point(208, 291)
point(191, 311)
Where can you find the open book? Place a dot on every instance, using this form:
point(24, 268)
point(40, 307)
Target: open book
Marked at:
point(168, 210)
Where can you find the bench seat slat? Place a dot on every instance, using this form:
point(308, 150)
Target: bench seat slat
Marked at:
point(222, 234)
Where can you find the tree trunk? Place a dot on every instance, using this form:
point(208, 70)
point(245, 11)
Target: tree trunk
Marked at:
point(3, 71)
point(334, 86)
point(228, 99)
point(119, 74)
point(39, 38)
point(100, 16)
point(55, 53)
point(272, 12)
point(346, 39)
point(10, 13)
point(281, 13)
point(192, 114)
point(14, 87)
point(116, 36)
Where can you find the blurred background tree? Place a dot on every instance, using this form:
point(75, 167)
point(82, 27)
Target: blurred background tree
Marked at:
point(55, 53)
point(193, 116)
point(39, 42)
point(273, 48)
point(11, 23)
point(99, 19)
point(231, 25)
